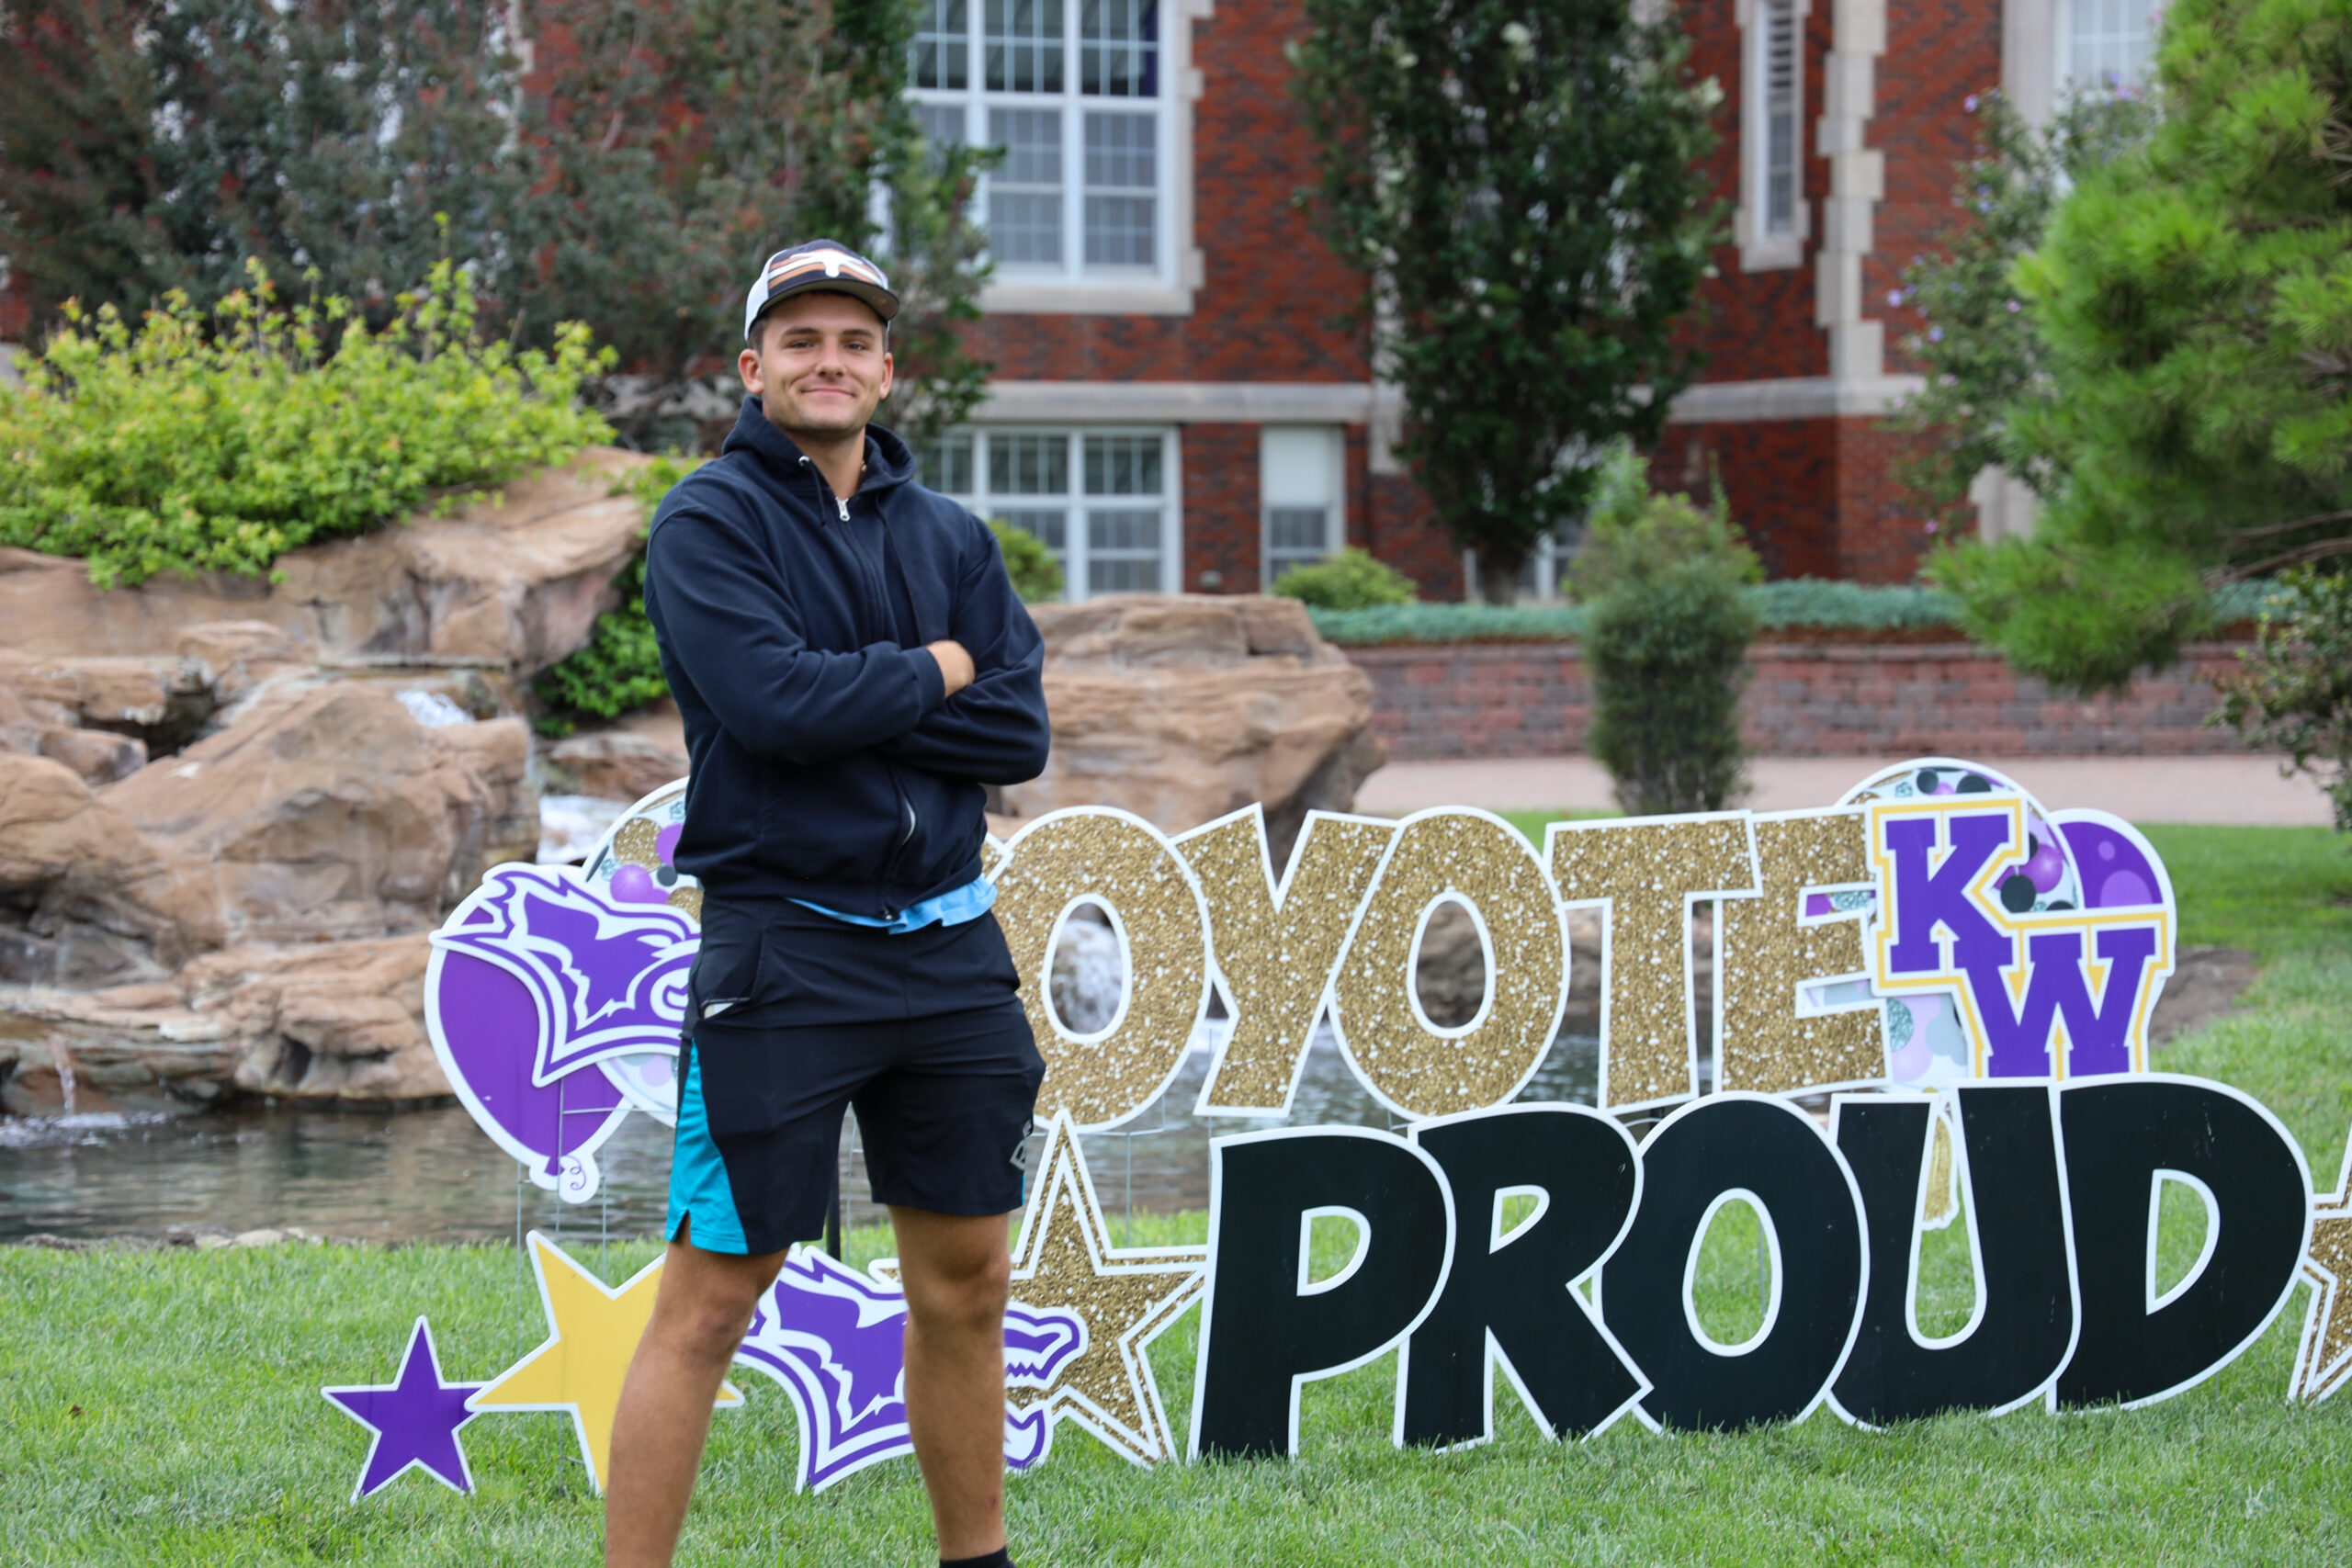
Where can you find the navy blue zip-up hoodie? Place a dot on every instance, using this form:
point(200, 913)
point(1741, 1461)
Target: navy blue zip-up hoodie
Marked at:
point(827, 764)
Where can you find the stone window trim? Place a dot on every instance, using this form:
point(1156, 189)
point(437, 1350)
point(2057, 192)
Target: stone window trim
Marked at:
point(1766, 245)
point(2036, 54)
point(1167, 286)
point(1079, 489)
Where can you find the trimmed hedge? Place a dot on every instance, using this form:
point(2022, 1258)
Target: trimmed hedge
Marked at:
point(1799, 602)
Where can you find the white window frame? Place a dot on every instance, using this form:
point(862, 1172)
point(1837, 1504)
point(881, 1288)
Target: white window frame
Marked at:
point(1761, 250)
point(2038, 53)
point(1334, 439)
point(2066, 13)
point(1166, 287)
point(1074, 558)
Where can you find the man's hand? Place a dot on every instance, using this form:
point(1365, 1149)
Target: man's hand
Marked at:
point(954, 665)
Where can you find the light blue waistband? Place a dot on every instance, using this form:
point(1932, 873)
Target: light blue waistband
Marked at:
point(952, 908)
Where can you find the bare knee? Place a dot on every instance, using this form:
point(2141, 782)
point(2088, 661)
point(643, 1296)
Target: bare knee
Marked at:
point(706, 1330)
point(967, 1299)
point(702, 1313)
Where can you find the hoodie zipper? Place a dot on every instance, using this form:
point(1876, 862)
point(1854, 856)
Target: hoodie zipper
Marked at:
point(910, 822)
point(840, 507)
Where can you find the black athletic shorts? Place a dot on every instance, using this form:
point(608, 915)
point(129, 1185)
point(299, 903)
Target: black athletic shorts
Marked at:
point(800, 1015)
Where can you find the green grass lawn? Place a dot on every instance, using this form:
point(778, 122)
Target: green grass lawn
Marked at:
point(163, 1408)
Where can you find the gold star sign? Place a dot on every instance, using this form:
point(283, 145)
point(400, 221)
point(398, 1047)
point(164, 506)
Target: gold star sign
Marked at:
point(2323, 1362)
point(592, 1330)
point(1127, 1296)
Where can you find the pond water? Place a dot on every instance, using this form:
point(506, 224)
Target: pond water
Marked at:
point(430, 1174)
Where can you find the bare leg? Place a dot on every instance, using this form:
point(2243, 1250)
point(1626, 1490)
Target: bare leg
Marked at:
point(957, 1269)
point(700, 1314)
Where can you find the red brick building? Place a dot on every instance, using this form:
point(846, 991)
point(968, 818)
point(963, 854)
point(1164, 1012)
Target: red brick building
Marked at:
point(1176, 406)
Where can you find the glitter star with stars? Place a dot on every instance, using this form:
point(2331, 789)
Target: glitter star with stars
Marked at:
point(2323, 1362)
point(1127, 1296)
point(415, 1419)
point(592, 1330)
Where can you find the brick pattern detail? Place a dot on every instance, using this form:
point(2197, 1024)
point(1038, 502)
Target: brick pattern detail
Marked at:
point(1803, 700)
point(16, 312)
point(1402, 530)
point(1221, 526)
point(1817, 497)
point(1755, 326)
point(1937, 54)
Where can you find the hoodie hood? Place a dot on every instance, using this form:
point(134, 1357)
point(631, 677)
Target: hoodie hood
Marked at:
point(889, 462)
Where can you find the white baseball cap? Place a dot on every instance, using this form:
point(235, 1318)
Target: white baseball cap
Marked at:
point(820, 266)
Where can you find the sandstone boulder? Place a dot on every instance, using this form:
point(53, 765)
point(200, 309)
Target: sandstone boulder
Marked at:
point(616, 765)
point(513, 580)
point(334, 813)
point(1180, 708)
point(85, 895)
point(319, 1022)
point(100, 717)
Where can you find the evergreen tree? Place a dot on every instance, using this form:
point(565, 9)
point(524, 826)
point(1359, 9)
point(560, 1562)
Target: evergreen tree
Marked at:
point(2194, 305)
point(1518, 180)
point(1665, 641)
point(1980, 350)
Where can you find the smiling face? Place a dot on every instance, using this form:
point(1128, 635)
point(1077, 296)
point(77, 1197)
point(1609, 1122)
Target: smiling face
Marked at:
point(820, 363)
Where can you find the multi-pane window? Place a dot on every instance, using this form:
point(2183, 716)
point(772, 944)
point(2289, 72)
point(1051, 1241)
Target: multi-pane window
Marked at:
point(1778, 202)
point(1100, 500)
point(1025, 205)
point(1118, 53)
point(1025, 46)
point(1122, 188)
point(1299, 486)
point(941, 46)
point(2109, 43)
point(1082, 188)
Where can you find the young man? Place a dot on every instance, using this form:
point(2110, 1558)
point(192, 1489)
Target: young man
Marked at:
point(853, 666)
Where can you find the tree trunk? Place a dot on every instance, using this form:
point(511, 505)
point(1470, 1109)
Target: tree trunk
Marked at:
point(1498, 573)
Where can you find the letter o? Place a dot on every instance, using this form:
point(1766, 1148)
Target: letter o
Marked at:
point(1412, 1068)
point(1096, 852)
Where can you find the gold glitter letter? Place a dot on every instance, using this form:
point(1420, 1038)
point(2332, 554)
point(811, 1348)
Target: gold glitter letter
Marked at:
point(1643, 874)
point(1408, 1064)
point(1770, 950)
point(1276, 947)
point(1094, 852)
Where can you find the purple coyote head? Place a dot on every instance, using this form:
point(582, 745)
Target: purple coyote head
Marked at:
point(835, 1339)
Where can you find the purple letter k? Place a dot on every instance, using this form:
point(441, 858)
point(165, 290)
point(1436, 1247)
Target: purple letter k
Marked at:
point(1925, 899)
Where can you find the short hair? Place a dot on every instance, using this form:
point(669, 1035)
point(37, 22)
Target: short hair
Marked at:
point(760, 321)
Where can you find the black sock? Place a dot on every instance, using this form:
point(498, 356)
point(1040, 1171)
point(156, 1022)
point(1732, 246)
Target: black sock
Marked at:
point(1000, 1558)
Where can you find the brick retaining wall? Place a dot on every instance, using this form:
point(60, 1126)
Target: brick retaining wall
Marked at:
point(1804, 700)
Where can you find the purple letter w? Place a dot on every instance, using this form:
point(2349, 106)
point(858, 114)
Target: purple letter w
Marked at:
point(2098, 1034)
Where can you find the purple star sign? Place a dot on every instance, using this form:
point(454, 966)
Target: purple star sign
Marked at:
point(415, 1420)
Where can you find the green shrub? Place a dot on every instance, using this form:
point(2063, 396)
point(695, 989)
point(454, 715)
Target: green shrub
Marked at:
point(2293, 689)
point(194, 444)
point(620, 670)
point(1801, 602)
point(1668, 620)
point(1351, 579)
point(1036, 576)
